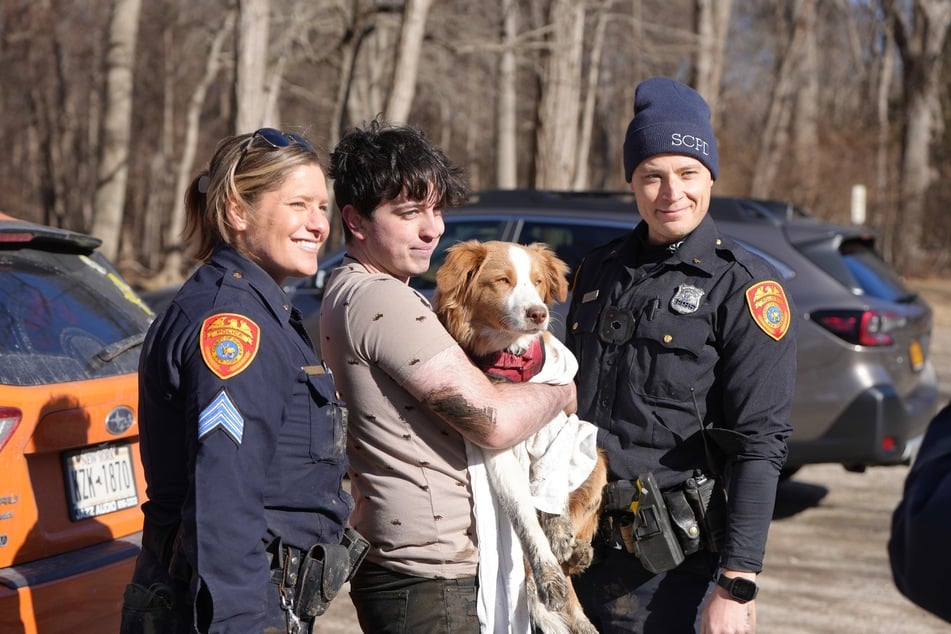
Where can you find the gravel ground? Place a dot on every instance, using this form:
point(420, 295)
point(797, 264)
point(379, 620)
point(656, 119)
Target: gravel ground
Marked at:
point(826, 565)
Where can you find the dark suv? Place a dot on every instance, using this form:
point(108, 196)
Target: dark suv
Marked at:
point(866, 387)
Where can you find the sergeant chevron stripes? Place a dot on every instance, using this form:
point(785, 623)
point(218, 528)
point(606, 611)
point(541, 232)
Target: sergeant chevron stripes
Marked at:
point(221, 412)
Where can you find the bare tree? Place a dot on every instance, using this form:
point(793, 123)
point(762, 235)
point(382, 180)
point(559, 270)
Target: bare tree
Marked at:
point(175, 259)
point(581, 178)
point(921, 41)
point(407, 60)
point(713, 25)
point(506, 165)
point(775, 135)
point(805, 113)
point(559, 110)
point(114, 164)
point(251, 47)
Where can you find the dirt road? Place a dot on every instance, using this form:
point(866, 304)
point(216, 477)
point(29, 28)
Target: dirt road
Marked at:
point(826, 565)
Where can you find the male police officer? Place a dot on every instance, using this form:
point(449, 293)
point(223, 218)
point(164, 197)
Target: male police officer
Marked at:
point(686, 344)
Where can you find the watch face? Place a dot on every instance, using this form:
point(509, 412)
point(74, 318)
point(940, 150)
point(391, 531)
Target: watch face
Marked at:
point(743, 589)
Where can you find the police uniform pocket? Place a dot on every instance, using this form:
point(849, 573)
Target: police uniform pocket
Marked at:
point(328, 428)
point(669, 354)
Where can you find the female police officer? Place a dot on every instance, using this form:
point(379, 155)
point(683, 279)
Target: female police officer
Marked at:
point(242, 438)
point(687, 357)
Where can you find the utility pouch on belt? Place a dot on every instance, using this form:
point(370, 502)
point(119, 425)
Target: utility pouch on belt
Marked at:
point(324, 570)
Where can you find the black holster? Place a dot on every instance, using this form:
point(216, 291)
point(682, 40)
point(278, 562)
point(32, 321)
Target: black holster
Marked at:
point(156, 601)
point(310, 580)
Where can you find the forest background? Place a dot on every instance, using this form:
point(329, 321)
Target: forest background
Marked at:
point(108, 109)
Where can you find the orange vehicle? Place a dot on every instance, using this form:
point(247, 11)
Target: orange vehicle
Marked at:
point(71, 482)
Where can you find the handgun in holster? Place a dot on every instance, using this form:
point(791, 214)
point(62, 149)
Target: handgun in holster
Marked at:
point(655, 542)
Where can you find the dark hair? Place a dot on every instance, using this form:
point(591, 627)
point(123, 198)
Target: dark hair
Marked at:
point(375, 164)
point(242, 168)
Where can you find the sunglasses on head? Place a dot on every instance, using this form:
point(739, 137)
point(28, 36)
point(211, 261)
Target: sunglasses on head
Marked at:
point(276, 139)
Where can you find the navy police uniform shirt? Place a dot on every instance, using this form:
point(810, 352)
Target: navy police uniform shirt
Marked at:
point(242, 436)
point(919, 551)
point(669, 338)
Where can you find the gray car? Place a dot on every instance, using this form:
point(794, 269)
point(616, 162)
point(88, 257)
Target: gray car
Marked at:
point(865, 388)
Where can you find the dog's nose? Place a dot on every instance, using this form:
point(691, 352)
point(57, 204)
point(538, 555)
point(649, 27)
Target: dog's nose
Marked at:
point(536, 314)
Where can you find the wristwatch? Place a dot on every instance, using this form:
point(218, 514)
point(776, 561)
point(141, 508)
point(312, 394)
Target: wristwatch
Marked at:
point(740, 588)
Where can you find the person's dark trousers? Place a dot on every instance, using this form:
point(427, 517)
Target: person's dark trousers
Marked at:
point(621, 597)
point(388, 602)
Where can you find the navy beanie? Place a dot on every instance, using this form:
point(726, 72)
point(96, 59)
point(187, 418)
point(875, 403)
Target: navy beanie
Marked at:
point(669, 117)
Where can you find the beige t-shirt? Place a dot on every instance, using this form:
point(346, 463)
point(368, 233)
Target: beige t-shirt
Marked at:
point(407, 466)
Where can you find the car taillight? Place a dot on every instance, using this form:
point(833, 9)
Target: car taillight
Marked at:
point(9, 420)
point(860, 327)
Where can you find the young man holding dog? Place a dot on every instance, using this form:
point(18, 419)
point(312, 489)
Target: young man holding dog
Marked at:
point(687, 353)
point(411, 391)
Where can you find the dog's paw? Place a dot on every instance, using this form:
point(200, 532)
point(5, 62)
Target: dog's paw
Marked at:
point(553, 587)
point(580, 558)
point(561, 535)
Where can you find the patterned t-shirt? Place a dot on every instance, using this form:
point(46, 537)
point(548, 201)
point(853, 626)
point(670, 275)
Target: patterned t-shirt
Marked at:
point(407, 466)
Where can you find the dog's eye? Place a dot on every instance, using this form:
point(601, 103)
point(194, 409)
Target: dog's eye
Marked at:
point(502, 280)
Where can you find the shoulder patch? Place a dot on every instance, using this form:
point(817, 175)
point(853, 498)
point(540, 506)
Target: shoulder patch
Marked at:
point(229, 343)
point(769, 308)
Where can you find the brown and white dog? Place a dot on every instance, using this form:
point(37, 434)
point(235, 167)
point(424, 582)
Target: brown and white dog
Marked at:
point(494, 298)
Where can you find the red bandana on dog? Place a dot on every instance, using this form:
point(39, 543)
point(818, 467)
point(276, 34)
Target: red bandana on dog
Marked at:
point(517, 368)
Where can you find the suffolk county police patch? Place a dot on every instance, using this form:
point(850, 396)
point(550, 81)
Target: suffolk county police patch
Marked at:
point(770, 310)
point(229, 343)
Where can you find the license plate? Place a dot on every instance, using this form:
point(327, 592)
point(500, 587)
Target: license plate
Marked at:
point(100, 480)
point(916, 356)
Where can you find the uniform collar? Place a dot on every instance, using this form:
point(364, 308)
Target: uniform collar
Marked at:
point(697, 250)
point(238, 267)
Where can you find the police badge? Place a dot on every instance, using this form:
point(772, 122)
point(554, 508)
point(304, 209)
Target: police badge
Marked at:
point(687, 299)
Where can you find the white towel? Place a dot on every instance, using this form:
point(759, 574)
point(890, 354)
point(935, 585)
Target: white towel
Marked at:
point(567, 440)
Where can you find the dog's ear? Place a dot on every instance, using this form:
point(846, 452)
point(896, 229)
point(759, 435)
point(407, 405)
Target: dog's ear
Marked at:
point(556, 273)
point(454, 285)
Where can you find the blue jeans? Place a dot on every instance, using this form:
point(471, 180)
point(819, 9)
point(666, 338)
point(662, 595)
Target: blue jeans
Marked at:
point(621, 597)
point(389, 602)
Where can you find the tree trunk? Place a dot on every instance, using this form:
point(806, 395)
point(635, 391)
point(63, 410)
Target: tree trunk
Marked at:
point(884, 202)
point(507, 107)
point(117, 122)
point(582, 179)
point(560, 105)
point(251, 58)
point(175, 260)
point(921, 45)
point(407, 60)
point(775, 135)
point(805, 118)
point(713, 26)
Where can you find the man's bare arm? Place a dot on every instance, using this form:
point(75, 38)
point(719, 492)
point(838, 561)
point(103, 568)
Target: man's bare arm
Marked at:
point(492, 415)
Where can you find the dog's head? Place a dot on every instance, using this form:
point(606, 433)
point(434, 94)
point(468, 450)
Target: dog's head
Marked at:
point(494, 296)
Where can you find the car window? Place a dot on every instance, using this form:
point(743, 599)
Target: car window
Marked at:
point(65, 317)
point(873, 275)
point(570, 241)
